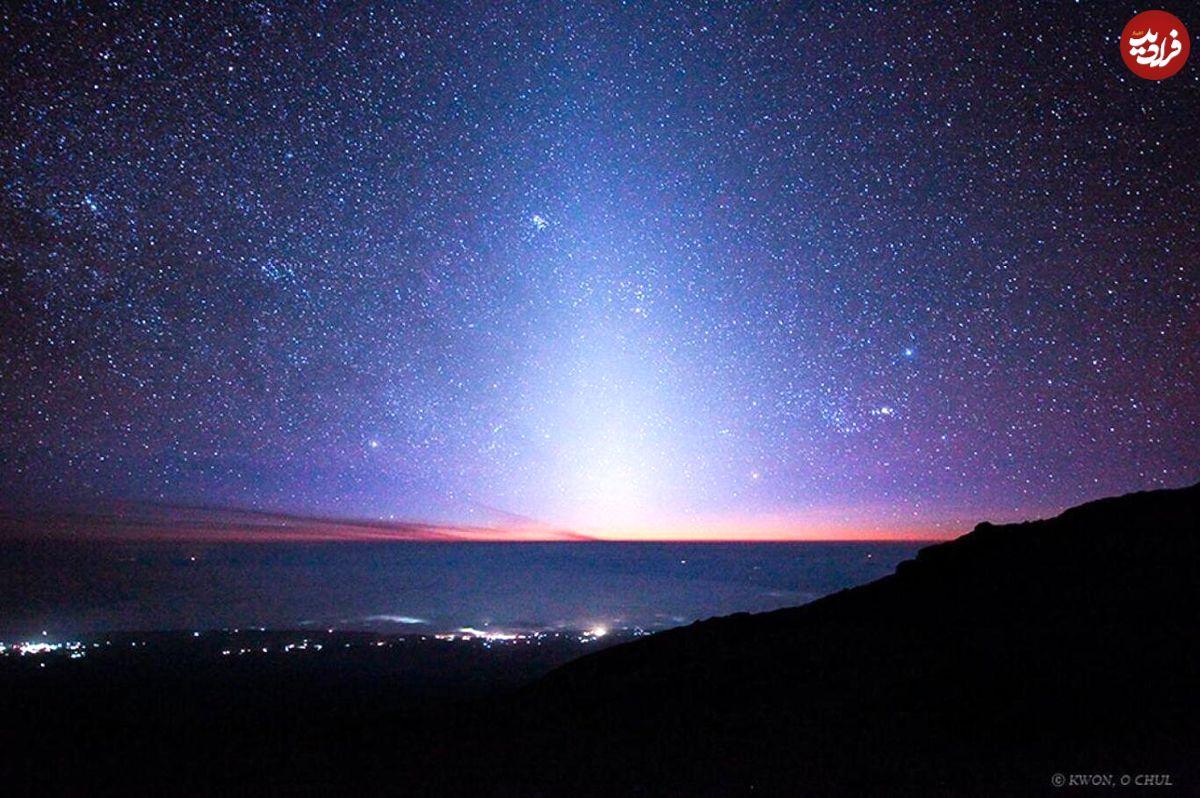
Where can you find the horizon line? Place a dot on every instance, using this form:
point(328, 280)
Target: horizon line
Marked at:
point(204, 524)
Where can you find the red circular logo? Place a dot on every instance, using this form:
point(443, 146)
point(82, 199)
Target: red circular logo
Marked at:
point(1154, 45)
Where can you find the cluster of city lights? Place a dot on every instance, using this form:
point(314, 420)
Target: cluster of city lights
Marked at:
point(488, 637)
point(34, 648)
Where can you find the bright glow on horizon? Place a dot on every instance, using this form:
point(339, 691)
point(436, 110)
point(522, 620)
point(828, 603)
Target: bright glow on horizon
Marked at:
point(167, 523)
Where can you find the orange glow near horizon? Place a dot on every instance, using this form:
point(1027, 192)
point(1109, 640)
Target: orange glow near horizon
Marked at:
point(218, 525)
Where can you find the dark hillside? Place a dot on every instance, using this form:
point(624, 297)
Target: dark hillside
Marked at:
point(984, 666)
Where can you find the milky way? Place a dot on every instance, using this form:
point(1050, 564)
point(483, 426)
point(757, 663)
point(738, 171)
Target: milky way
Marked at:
point(707, 267)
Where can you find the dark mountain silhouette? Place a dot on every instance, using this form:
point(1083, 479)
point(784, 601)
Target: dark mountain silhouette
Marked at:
point(983, 667)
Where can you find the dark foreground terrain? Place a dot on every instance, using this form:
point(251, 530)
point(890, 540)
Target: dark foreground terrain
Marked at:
point(197, 713)
point(990, 665)
point(997, 664)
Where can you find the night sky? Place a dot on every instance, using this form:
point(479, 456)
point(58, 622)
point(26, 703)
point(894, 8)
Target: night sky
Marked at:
point(731, 269)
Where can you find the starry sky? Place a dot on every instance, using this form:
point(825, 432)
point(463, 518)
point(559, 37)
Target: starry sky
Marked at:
point(631, 269)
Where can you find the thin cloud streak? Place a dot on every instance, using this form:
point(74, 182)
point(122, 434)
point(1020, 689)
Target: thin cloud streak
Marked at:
point(191, 523)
